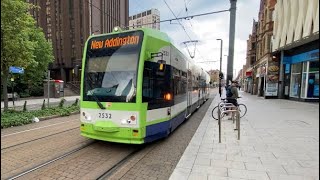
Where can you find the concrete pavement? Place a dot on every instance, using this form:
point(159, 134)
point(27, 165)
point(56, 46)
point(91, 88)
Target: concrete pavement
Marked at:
point(33, 104)
point(279, 140)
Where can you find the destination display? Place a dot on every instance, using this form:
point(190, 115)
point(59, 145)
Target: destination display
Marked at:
point(116, 40)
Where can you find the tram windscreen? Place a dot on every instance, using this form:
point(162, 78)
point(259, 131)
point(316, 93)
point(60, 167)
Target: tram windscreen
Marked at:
point(110, 72)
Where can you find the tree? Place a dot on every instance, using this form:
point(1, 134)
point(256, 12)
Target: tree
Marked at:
point(20, 40)
point(35, 73)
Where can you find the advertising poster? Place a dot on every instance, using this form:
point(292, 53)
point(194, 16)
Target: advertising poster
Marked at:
point(272, 77)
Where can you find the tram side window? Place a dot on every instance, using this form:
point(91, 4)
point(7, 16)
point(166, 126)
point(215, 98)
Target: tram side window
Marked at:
point(195, 83)
point(156, 85)
point(179, 85)
point(190, 81)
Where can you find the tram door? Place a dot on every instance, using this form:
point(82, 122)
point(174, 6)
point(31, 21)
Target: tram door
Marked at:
point(189, 92)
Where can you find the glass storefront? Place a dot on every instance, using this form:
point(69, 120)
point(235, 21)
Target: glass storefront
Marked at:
point(295, 80)
point(308, 80)
point(313, 80)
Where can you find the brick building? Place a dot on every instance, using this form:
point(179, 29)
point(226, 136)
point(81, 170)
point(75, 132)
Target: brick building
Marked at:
point(68, 24)
point(259, 55)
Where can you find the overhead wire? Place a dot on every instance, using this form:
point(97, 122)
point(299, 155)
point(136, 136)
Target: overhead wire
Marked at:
point(176, 18)
point(183, 29)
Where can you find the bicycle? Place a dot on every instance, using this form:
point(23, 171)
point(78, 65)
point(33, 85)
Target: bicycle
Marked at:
point(242, 109)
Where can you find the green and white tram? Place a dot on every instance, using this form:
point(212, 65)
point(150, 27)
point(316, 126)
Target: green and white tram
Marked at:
point(136, 86)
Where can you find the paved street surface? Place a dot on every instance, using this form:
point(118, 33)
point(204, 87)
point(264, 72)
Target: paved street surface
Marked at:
point(279, 140)
point(34, 104)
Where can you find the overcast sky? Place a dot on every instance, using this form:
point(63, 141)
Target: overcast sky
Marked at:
point(206, 29)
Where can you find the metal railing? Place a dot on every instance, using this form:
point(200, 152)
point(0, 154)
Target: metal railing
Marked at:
point(228, 108)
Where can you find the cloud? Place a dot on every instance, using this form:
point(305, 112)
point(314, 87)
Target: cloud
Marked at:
point(206, 29)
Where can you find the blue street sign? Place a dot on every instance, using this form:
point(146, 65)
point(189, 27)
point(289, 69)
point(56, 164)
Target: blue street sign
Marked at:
point(16, 70)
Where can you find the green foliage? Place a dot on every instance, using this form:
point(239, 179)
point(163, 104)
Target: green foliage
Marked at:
point(43, 105)
point(25, 106)
point(24, 94)
point(61, 102)
point(16, 28)
point(11, 118)
point(36, 91)
point(22, 44)
point(76, 102)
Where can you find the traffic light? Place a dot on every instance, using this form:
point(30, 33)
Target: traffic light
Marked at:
point(221, 75)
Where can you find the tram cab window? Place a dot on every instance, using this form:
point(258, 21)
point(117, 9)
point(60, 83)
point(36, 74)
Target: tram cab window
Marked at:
point(156, 85)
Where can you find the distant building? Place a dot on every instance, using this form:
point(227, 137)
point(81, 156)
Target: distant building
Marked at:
point(68, 24)
point(214, 77)
point(148, 19)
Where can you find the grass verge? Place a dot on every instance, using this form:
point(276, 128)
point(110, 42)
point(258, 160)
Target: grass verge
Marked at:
point(12, 118)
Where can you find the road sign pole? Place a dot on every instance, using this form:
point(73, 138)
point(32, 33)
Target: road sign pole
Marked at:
point(12, 87)
point(48, 86)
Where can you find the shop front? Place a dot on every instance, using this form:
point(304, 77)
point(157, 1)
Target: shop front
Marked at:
point(301, 76)
point(248, 81)
point(272, 79)
point(261, 73)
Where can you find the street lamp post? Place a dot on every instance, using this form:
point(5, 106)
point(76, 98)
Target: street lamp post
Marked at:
point(220, 65)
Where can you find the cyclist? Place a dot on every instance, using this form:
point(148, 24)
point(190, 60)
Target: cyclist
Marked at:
point(232, 94)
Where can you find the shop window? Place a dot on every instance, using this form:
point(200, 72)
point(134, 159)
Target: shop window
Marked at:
point(310, 80)
point(295, 80)
point(304, 79)
point(313, 80)
point(305, 67)
point(303, 85)
point(313, 66)
point(313, 85)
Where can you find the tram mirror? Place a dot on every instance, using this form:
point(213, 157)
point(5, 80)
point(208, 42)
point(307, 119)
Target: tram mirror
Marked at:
point(157, 54)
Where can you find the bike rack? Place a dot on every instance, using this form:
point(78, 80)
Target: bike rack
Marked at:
point(221, 110)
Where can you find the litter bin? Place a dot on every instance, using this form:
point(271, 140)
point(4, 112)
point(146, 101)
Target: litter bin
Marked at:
point(59, 89)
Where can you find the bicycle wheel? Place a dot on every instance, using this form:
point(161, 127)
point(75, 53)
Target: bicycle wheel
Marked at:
point(242, 110)
point(214, 113)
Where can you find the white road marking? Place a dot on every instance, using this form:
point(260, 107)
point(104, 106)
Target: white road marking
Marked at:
point(33, 129)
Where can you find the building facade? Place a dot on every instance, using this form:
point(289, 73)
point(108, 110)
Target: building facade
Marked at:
point(68, 24)
point(149, 18)
point(260, 79)
point(250, 59)
point(296, 46)
point(214, 77)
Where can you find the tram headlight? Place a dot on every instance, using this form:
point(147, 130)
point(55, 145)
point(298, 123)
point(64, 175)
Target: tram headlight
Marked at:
point(131, 120)
point(86, 116)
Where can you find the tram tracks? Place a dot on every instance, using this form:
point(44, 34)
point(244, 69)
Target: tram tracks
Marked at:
point(119, 164)
point(39, 138)
point(51, 161)
point(93, 160)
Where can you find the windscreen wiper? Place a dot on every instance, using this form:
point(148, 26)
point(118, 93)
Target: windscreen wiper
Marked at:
point(95, 97)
